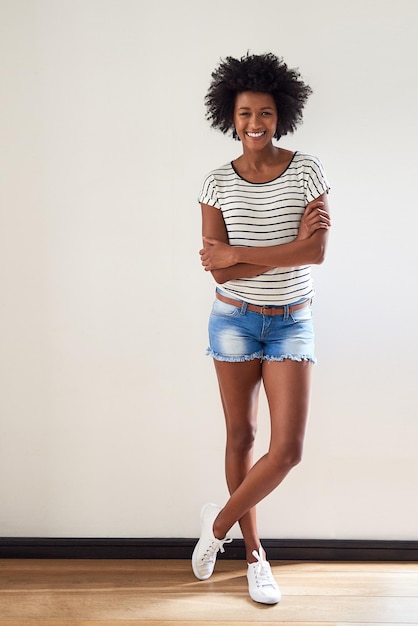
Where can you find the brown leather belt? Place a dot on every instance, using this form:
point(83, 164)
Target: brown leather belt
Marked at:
point(263, 310)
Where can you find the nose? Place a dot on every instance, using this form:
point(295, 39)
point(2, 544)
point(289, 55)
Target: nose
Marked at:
point(255, 122)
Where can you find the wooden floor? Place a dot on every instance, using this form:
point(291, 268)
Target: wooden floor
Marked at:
point(165, 593)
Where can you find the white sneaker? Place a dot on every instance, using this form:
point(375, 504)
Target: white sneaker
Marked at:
point(206, 549)
point(261, 584)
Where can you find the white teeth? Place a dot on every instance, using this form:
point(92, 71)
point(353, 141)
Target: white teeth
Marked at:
point(255, 134)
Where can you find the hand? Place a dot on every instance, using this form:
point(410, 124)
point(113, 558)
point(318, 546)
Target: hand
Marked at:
point(314, 218)
point(216, 254)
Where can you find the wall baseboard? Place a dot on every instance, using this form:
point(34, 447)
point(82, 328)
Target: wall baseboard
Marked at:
point(177, 548)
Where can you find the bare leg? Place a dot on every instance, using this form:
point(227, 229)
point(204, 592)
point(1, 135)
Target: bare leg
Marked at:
point(239, 384)
point(287, 385)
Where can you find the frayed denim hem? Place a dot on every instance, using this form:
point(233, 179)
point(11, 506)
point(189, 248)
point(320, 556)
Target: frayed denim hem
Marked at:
point(291, 357)
point(259, 355)
point(234, 359)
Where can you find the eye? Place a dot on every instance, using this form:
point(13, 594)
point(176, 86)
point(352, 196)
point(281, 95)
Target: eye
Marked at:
point(267, 113)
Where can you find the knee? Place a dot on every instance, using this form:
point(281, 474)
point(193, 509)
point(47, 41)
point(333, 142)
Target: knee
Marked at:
point(294, 457)
point(287, 457)
point(241, 440)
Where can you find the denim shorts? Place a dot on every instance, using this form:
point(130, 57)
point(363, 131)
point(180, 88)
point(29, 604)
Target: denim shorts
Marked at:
point(236, 334)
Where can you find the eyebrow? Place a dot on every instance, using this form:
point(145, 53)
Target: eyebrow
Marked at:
point(262, 108)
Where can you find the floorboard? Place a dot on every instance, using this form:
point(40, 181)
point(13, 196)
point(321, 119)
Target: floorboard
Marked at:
point(165, 593)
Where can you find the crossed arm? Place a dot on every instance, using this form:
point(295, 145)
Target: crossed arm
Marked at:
point(230, 262)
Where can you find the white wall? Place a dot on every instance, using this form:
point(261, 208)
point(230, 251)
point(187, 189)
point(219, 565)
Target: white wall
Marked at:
point(110, 422)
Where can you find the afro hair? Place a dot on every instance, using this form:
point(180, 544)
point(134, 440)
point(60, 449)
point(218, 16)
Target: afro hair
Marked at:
point(261, 73)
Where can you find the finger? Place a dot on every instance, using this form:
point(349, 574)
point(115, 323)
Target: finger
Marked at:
point(320, 216)
point(323, 212)
point(325, 217)
point(323, 225)
point(317, 215)
point(312, 206)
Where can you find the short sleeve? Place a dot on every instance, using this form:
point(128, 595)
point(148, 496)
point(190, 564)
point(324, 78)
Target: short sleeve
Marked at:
point(317, 182)
point(208, 194)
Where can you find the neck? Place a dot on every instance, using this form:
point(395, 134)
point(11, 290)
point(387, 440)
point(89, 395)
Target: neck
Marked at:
point(259, 159)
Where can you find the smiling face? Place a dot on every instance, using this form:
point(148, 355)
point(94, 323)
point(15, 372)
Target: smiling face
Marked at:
point(255, 118)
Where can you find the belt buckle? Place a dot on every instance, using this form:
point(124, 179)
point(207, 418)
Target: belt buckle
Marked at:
point(263, 306)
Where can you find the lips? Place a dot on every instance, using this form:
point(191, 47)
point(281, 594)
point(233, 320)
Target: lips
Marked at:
point(256, 135)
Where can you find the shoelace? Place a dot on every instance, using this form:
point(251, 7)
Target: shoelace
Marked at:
point(215, 546)
point(264, 577)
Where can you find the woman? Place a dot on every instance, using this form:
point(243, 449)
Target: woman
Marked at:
point(264, 221)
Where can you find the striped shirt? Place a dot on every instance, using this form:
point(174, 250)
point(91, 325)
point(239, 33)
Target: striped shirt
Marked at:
point(267, 214)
